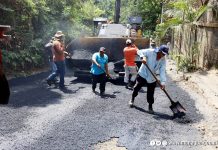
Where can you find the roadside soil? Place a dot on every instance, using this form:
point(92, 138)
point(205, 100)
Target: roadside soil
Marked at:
point(205, 84)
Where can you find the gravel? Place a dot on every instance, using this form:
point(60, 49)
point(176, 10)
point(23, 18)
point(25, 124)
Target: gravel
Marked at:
point(41, 117)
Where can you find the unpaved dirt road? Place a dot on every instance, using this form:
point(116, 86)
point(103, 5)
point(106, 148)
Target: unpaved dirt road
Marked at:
point(41, 117)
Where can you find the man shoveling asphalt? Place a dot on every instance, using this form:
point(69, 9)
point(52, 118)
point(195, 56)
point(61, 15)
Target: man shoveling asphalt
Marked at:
point(155, 59)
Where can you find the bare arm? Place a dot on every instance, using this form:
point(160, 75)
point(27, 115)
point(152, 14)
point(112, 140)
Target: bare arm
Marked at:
point(107, 71)
point(106, 68)
point(95, 62)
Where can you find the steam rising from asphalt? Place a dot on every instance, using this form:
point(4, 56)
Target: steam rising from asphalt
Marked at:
point(82, 54)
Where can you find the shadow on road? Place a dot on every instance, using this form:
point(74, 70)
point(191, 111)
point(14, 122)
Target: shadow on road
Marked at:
point(34, 97)
point(39, 96)
point(106, 96)
point(81, 80)
point(69, 91)
point(162, 116)
point(33, 91)
point(88, 80)
point(156, 115)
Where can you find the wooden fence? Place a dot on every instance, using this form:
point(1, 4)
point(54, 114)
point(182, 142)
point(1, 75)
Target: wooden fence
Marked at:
point(198, 41)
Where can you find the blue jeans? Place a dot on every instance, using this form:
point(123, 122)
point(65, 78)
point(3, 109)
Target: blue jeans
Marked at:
point(60, 71)
point(53, 66)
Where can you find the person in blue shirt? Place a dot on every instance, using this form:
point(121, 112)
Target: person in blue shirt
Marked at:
point(99, 70)
point(155, 59)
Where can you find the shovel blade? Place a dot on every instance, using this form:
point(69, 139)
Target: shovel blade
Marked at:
point(177, 109)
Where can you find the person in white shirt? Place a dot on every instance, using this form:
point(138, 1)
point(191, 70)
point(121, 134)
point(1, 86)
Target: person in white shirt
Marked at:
point(155, 59)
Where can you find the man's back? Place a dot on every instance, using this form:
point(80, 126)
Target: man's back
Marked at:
point(130, 53)
point(58, 51)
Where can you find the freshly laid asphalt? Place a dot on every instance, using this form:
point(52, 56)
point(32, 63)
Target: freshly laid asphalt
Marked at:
point(42, 117)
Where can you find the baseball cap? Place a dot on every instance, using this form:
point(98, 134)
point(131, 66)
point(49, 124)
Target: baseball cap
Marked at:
point(164, 49)
point(128, 41)
point(102, 49)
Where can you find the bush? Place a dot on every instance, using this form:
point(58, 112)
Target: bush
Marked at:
point(184, 63)
point(22, 60)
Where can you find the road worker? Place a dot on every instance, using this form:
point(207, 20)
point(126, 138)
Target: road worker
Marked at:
point(58, 51)
point(155, 59)
point(99, 70)
point(130, 53)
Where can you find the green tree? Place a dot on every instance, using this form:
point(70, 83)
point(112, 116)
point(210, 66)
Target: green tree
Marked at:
point(34, 22)
point(149, 10)
point(179, 12)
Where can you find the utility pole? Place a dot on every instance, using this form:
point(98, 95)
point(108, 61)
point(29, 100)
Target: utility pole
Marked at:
point(117, 11)
point(161, 15)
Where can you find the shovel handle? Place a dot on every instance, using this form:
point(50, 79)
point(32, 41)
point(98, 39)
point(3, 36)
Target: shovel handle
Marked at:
point(105, 72)
point(158, 82)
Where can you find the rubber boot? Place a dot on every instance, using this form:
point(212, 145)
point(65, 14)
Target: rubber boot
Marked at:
point(131, 84)
point(150, 109)
point(131, 102)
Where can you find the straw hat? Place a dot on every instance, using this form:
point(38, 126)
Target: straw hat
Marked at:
point(59, 34)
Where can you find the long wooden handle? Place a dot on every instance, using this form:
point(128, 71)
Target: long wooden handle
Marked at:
point(158, 82)
point(105, 72)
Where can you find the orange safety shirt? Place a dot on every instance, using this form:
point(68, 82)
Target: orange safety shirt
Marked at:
point(58, 51)
point(130, 53)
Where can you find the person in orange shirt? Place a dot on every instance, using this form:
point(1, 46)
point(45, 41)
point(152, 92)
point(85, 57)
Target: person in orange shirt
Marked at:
point(130, 53)
point(59, 59)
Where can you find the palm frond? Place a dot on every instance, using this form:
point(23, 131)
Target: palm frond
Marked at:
point(162, 28)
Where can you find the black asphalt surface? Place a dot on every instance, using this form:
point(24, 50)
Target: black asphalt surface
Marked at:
point(42, 117)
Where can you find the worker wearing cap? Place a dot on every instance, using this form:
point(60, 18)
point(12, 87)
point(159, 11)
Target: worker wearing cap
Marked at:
point(99, 70)
point(155, 59)
point(58, 58)
point(130, 53)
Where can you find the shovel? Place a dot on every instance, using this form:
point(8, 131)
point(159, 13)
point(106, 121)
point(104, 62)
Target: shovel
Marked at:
point(177, 109)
